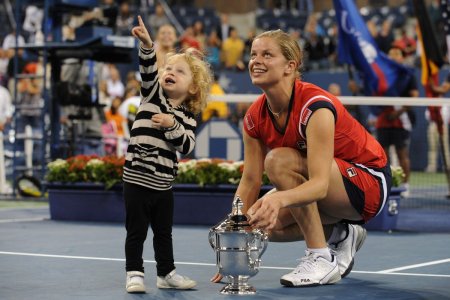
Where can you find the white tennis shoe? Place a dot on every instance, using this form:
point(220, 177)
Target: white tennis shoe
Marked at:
point(175, 281)
point(346, 249)
point(135, 282)
point(313, 269)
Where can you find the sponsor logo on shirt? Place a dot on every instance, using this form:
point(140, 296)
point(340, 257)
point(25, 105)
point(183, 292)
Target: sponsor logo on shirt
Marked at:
point(306, 116)
point(301, 145)
point(249, 122)
point(351, 172)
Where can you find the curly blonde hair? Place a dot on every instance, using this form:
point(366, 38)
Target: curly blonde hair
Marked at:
point(202, 78)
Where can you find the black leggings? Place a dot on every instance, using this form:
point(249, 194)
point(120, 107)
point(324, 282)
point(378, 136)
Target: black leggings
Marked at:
point(145, 206)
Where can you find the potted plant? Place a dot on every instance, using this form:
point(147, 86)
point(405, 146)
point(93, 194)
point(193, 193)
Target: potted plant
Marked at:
point(205, 188)
point(86, 188)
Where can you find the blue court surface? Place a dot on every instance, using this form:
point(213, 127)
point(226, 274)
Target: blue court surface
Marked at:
point(45, 259)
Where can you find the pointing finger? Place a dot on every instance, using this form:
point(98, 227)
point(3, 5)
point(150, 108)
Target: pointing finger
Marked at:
point(141, 23)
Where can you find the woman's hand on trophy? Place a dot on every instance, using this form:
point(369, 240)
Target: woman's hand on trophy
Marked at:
point(216, 278)
point(264, 213)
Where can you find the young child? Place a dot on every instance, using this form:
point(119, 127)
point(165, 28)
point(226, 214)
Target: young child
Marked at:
point(164, 125)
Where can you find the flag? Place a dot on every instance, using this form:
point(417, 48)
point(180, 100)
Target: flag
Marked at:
point(445, 9)
point(381, 76)
point(430, 57)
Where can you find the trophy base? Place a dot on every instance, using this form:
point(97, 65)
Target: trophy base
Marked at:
point(242, 289)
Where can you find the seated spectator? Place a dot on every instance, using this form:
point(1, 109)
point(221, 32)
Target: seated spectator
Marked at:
point(233, 51)
point(199, 34)
point(132, 86)
point(215, 109)
point(213, 46)
point(29, 98)
point(114, 84)
point(113, 115)
point(188, 40)
point(165, 42)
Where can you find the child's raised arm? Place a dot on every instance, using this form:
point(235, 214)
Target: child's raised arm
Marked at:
point(141, 33)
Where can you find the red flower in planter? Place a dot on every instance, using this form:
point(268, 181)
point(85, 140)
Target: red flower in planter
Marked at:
point(87, 168)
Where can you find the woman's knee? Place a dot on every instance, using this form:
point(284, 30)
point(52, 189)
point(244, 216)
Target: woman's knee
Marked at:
point(280, 160)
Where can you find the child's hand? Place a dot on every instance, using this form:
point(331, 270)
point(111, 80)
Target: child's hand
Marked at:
point(163, 120)
point(216, 278)
point(141, 33)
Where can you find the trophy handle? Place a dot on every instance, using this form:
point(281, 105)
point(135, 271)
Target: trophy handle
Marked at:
point(254, 264)
point(212, 240)
point(265, 240)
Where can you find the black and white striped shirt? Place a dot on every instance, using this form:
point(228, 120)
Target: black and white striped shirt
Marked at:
point(151, 158)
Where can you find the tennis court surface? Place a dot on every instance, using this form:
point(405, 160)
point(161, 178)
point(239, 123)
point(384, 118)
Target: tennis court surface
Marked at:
point(46, 259)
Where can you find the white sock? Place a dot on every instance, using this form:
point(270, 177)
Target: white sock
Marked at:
point(340, 233)
point(324, 252)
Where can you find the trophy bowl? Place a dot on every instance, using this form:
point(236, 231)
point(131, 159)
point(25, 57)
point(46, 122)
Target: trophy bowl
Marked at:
point(238, 250)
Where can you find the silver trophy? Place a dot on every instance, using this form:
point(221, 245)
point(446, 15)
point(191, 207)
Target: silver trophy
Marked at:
point(238, 250)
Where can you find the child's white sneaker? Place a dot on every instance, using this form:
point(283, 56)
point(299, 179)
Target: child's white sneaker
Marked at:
point(135, 282)
point(175, 281)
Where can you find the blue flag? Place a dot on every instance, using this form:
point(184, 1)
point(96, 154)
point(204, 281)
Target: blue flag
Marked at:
point(381, 76)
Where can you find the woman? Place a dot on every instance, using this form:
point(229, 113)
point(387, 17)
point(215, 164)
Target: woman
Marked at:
point(329, 172)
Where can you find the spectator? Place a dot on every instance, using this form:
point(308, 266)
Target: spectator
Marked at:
point(32, 22)
point(128, 109)
point(233, 51)
point(385, 38)
point(112, 115)
point(215, 109)
point(103, 96)
point(199, 34)
point(29, 99)
point(6, 108)
point(113, 128)
point(316, 51)
point(157, 19)
point(248, 45)
point(224, 28)
point(394, 123)
point(114, 84)
point(166, 40)
point(125, 20)
point(9, 42)
point(188, 40)
point(9, 51)
point(331, 42)
point(132, 86)
point(407, 45)
point(3, 67)
point(213, 46)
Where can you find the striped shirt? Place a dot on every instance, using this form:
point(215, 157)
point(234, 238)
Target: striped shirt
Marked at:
point(151, 158)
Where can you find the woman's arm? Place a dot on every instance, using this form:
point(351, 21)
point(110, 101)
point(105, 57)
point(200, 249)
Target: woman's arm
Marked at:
point(250, 184)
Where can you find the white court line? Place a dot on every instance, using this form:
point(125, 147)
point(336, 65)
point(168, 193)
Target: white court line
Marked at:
point(22, 220)
point(200, 264)
point(436, 262)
